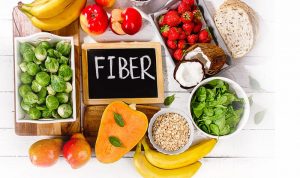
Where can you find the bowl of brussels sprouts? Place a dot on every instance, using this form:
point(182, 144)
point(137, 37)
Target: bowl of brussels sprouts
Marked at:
point(44, 79)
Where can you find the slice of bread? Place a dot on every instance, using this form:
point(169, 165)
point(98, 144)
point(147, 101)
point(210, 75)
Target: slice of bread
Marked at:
point(237, 24)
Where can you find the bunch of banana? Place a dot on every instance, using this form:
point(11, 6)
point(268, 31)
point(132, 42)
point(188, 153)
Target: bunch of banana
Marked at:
point(153, 164)
point(50, 15)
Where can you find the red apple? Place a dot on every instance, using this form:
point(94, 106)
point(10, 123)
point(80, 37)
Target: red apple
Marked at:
point(77, 151)
point(93, 19)
point(132, 21)
point(115, 22)
point(105, 3)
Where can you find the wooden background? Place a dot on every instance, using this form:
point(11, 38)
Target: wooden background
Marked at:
point(248, 154)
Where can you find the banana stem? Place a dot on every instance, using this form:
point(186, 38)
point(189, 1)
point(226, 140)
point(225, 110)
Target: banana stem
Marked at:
point(145, 144)
point(138, 148)
point(23, 8)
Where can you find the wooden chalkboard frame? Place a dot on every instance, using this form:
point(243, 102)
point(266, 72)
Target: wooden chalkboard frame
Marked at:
point(125, 45)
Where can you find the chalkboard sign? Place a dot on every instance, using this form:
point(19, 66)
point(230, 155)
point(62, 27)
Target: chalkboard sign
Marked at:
point(131, 72)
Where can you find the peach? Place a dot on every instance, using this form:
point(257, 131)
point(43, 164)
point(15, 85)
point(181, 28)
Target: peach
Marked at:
point(77, 151)
point(45, 153)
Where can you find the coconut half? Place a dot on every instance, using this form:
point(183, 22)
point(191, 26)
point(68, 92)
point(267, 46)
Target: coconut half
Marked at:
point(189, 73)
point(211, 56)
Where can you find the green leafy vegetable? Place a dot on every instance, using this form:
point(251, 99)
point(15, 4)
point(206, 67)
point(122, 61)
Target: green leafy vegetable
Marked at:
point(216, 109)
point(119, 120)
point(115, 141)
point(169, 100)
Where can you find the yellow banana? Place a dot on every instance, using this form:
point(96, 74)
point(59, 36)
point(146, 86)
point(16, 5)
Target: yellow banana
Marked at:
point(188, 157)
point(147, 170)
point(63, 19)
point(46, 9)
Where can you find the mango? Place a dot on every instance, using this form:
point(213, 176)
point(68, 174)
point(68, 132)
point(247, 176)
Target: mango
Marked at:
point(45, 153)
point(77, 151)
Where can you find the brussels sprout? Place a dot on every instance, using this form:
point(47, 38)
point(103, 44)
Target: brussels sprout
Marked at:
point(47, 113)
point(23, 66)
point(25, 47)
point(40, 53)
point(55, 114)
point(25, 106)
point(30, 98)
point(50, 90)
point(52, 102)
point(68, 87)
point(35, 86)
point(43, 67)
point(24, 89)
point(53, 53)
point(65, 110)
point(34, 113)
point(36, 61)
point(51, 65)
point(32, 68)
point(43, 78)
point(29, 56)
point(58, 84)
point(63, 60)
point(45, 44)
point(50, 53)
point(62, 97)
point(64, 47)
point(65, 71)
point(26, 78)
point(42, 96)
point(41, 107)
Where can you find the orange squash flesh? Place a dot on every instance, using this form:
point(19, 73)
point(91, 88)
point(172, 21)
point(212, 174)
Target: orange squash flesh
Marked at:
point(136, 124)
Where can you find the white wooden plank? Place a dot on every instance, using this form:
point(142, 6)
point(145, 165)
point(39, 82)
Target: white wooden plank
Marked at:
point(261, 102)
point(248, 143)
point(17, 167)
point(6, 36)
point(6, 73)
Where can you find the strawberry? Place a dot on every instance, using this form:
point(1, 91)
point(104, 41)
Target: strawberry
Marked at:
point(187, 17)
point(178, 54)
point(183, 7)
point(194, 7)
point(197, 27)
point(164, 30)
point(188, 2)
point(188, 27)
point(182, 35)
point(161, 20)
point(173, 33)
point(197, 16)
point(172, 44)
point(181, 44)
point(204, 36)
point(172, 18)
point(192, 39)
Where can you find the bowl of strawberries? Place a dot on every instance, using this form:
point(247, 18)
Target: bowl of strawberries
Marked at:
point(182, 26)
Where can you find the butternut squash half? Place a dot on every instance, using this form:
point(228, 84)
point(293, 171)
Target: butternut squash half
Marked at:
point(121, 128)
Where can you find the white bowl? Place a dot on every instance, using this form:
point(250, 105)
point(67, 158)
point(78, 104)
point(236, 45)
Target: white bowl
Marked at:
point(20, 115)
point(191, 127)
point(239, 92)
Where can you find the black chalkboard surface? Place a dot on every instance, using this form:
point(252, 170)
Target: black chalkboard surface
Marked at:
point(130, 72)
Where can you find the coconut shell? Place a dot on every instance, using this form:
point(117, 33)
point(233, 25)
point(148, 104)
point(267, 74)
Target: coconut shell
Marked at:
point(214, 53)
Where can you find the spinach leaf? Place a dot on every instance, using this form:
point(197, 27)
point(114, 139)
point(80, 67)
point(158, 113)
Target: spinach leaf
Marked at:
point(169, 100)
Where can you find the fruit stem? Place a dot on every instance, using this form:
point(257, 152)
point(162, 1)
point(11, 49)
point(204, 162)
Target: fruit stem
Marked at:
point(145, 144)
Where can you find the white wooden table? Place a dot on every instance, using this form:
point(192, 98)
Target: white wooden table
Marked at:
point(246, 155)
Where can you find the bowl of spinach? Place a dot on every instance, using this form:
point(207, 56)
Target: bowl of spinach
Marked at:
point(219, 107)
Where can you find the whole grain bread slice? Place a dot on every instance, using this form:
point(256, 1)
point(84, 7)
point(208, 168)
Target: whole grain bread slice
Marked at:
point(237, 24)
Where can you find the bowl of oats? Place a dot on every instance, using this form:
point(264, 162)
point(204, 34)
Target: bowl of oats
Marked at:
point(171, 131)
